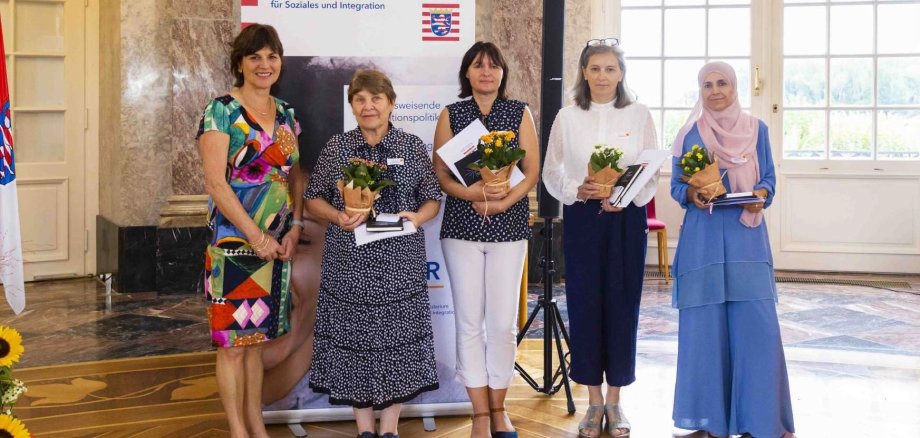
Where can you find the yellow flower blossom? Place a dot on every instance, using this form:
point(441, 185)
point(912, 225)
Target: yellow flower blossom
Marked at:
point(11, 426)
point(688, 154)
point(488, 151)
point(498, 143)
point(10, 346)
point(696, 147)
point(683, 161)
point(699, 156)
point(696, 169)
point(686, 169)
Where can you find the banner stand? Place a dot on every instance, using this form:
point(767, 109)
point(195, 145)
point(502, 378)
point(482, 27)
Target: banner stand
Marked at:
point(315, 415)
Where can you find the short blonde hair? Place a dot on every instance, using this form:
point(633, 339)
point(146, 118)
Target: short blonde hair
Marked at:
point(372, 81)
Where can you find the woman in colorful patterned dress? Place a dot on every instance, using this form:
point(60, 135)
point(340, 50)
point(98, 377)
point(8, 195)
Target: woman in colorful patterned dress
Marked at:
point(248, 146)
point(374, 345)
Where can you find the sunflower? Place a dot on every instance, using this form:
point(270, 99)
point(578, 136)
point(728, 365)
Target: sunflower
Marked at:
point(10, 346)
point(11, 427)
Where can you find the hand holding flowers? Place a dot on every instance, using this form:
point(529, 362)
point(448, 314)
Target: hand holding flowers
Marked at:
point(701, 172)
point(604, 169)
point(497, 159)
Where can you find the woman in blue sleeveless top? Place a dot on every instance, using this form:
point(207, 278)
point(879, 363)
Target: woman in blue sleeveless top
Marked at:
point(485, 258)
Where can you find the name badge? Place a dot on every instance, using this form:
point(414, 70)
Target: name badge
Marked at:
point(738, 160)
point(395, 162)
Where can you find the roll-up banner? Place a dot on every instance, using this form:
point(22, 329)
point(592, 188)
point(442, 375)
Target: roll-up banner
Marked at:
point(418, 45)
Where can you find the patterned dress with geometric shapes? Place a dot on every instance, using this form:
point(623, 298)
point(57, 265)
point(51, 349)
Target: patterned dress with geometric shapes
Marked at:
point(250, 298)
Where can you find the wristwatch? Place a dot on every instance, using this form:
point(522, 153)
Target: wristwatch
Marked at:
point(297, 222)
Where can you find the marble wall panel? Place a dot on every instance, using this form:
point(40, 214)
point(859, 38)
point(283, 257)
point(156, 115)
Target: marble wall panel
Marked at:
point(146, 122)
point(577, 33)
point(180, 259)
point(214, 9)
point(199, 52)
point(516, 26)
point(109, 107)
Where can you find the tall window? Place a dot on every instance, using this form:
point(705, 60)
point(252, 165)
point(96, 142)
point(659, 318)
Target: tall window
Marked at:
point(667, 41)
point(851, 79)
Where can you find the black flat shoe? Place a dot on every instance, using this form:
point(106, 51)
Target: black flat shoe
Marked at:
point(389, 435)
point(513, 434)
point(367, 435)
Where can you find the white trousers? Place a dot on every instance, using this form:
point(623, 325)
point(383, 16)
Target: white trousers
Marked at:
point(485, 280)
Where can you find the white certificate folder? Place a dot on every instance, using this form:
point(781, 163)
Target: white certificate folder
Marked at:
point(651, 161)
point(461, 150)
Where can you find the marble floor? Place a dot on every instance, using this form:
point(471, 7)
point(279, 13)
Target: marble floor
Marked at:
point(853, 354)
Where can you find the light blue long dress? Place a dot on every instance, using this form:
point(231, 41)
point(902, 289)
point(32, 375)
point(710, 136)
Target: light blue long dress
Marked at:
point(731, 370)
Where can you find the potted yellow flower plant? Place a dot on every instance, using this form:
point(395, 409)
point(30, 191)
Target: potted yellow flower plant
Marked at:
point(497, 159)
point(702, 172)
point(604, 167)
point(363, 180)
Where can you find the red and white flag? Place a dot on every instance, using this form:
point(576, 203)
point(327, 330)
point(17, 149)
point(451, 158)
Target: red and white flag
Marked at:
point(10, 238)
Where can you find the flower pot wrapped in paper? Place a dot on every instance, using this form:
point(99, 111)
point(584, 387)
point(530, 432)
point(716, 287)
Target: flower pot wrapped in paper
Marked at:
point(604, 167)
point(361, 185)
point(702, 172)
point(496, 159)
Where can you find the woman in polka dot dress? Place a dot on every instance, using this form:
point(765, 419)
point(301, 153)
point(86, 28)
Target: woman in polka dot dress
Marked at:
point(485, 258)
point(374, 346)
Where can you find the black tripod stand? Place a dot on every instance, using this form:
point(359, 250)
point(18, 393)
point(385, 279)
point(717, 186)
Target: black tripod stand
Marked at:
point(554, 331)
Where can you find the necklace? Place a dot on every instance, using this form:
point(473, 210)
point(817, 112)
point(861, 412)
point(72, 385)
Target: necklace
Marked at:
point(264, 113)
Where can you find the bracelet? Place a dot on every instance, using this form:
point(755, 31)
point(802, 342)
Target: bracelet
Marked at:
point(297, 222)
point(259, 246)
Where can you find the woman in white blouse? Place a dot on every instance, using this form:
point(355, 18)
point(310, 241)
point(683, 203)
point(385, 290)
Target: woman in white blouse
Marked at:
point(604, 246)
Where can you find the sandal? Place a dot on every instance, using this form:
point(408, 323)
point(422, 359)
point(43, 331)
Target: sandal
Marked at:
point(616, 419)
point(588, 427)
point(512, 434)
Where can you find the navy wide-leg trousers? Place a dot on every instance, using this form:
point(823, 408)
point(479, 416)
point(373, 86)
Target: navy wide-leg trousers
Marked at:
point(604, 269)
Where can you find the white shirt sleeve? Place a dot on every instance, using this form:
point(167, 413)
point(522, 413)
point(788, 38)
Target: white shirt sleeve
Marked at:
point(555, 178)
point(650, 141)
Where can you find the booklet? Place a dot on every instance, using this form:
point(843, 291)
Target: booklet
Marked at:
point(364, 236)
point(385, 222)
point(736, 198)
point(461, 150)
point(646, 167)
point(624, 182)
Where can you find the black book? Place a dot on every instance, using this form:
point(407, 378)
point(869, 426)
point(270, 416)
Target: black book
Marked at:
point(376, 225)
point(470, 176)
point(625, 181)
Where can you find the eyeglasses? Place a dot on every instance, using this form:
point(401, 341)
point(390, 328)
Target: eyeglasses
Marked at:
point(613, 42)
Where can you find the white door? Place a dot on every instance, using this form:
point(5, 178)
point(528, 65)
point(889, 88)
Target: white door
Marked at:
point(44, 42)
point(846, 134)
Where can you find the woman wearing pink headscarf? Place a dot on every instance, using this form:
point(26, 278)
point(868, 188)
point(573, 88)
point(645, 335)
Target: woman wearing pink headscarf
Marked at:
point(731, 370)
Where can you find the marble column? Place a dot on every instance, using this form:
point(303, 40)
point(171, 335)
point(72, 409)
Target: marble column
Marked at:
point(199, 50)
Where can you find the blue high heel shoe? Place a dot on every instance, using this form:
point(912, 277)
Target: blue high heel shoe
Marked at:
point(512, 434)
